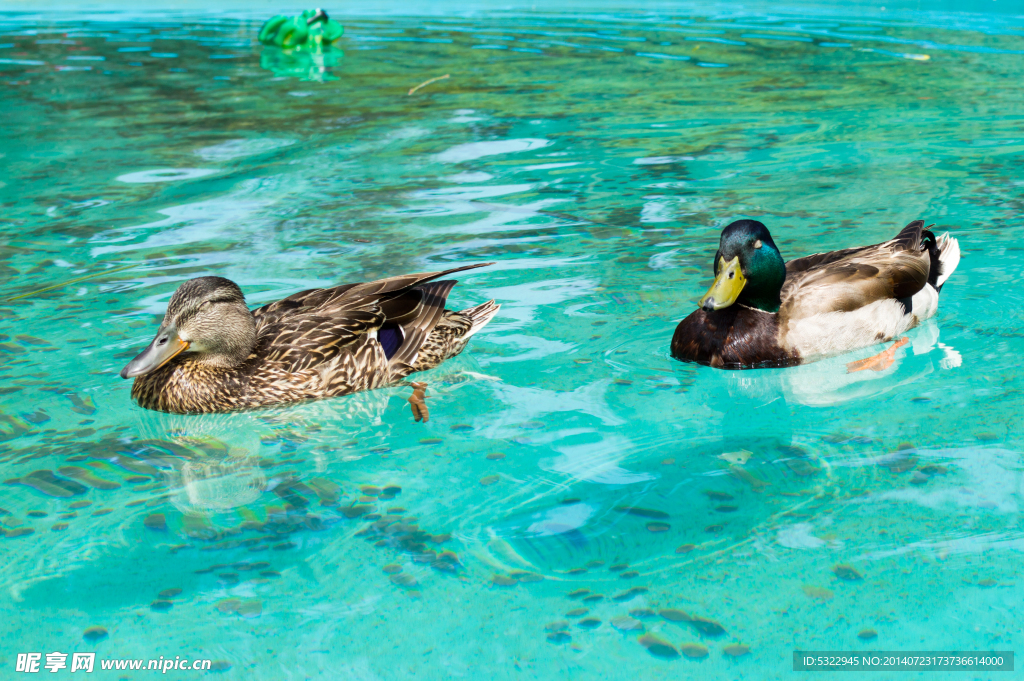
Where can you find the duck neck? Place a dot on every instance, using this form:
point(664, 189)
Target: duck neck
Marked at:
point(766, 301)
point(766, 273)
point(231, 346)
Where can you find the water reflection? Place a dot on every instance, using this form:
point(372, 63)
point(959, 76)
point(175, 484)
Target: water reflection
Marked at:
point(304, 65)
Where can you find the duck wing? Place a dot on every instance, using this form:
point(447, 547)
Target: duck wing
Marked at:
point(314, 326)
point(350, 296)
point(303, 340)
point(843, 281)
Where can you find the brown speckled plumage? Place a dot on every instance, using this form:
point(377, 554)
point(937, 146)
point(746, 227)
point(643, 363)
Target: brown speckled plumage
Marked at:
point(314, 344)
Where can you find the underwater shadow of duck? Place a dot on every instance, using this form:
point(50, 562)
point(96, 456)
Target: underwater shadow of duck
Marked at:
point(211, 462)
point(825, 383)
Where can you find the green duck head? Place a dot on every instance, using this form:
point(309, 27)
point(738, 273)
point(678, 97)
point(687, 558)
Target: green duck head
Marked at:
point(749, 269)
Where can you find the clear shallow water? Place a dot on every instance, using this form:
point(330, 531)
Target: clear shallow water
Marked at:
point(595, 157)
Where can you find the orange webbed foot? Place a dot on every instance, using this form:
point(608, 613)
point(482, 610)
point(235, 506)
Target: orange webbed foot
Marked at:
point(418, 402)
point(879, 362)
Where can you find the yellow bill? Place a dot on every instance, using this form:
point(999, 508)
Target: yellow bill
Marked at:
point(727, 287)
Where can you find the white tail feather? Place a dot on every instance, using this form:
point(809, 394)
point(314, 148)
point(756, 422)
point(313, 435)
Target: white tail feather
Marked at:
point(949, 257)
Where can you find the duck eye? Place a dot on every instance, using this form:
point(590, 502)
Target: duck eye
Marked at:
point(758, 244)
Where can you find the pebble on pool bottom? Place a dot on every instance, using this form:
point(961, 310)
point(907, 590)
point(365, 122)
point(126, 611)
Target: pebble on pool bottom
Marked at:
point(694, 651)
point(627, 624)
point(94, 634)
point(643, 613)
point(156, 522)
point(818, 593)
point(659, 647)
point(847, 573)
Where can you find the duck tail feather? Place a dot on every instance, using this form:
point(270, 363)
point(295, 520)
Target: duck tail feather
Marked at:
point(949, 258)
point(394, 286)
point(909, 238)
point(479, 316)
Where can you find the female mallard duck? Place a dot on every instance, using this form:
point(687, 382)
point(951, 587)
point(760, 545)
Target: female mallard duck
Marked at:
point(211, 354)
point(760, 312)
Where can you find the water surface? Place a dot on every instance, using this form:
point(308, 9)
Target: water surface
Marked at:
point(594, 156)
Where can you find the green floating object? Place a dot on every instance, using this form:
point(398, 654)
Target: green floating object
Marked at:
point(312, 31)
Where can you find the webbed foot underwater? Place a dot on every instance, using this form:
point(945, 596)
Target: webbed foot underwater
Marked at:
point(761, 312)
point(212, 354)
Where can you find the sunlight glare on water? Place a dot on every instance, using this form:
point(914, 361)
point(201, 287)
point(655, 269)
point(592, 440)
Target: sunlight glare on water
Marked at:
point(573, 480)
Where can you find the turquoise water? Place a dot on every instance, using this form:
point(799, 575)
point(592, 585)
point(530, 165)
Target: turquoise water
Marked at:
point(594, 155)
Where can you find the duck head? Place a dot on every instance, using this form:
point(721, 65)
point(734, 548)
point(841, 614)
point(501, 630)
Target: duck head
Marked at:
point(206, 318)
point(749, 269)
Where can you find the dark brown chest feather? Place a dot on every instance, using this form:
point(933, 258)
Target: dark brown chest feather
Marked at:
point(737, 337)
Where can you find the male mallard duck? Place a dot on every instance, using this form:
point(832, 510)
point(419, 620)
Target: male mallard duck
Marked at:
point(760, 312)
point(211, 354)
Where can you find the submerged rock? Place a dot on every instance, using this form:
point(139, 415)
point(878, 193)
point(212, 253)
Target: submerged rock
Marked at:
point(87, 477)
point(817, 592)
point(659, 647)
point(847, 573)
point(156, 522)
point(674, 615)
point(627, 624)
point(47, 483)
point(706, 626)
point(643, 512)
point(94, 634)
point(643, 613)
point(694, 651)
